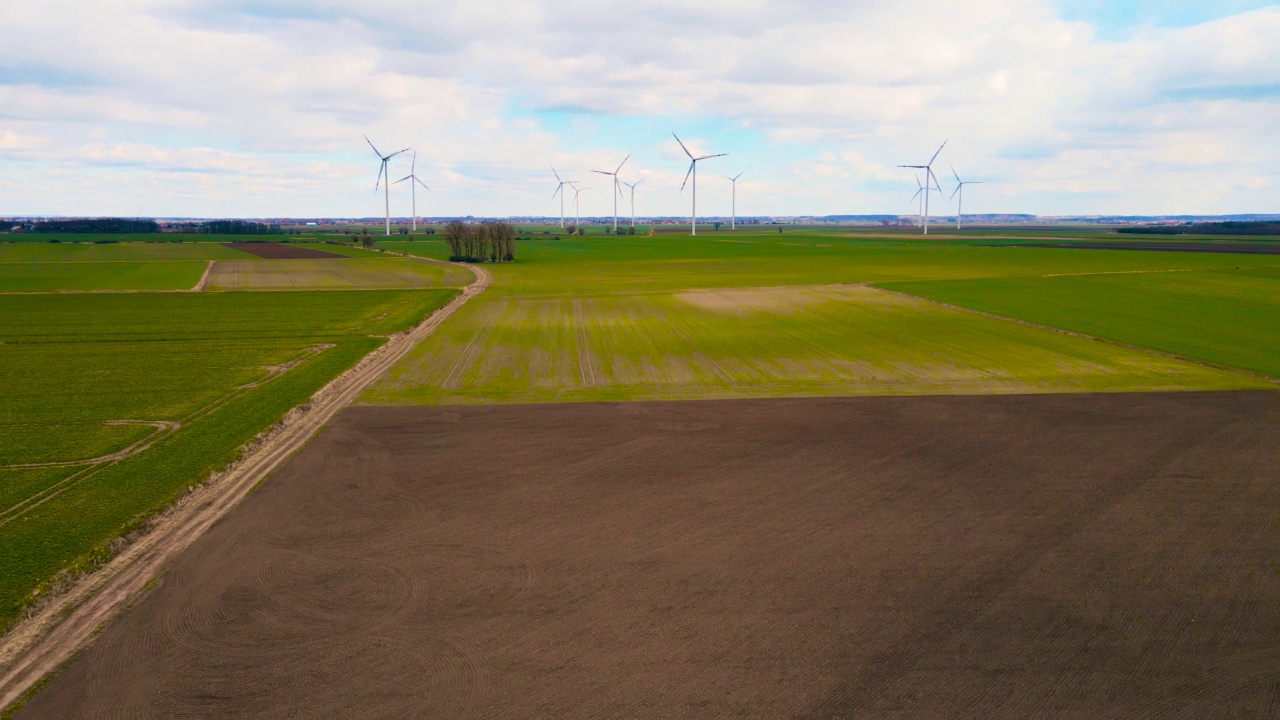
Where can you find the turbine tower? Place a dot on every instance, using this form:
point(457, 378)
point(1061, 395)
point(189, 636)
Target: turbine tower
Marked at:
point(384, 169)
point(633, 199)
point(693, 170)
point(413, 191)
point(576, 192)
point(733, 219)
point(560, 191)
point(928, 174)
point(960, 191)
point(920, 203)
point(614, 174)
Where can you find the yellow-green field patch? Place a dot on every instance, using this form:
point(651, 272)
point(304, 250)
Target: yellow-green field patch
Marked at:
point(760, 342)
point(346, 273)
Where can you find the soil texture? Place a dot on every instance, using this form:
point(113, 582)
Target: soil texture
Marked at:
point(1067, 556)
point(278, 251)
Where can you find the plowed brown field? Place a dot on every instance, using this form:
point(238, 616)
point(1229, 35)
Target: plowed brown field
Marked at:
point(1043, 556)
point(278, 251)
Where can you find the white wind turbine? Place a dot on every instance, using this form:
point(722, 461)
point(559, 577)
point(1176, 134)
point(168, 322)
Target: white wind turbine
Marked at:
point(413, 191)
point(733, 219)
point(920, 191)
point(960, 191)
point(633, 198)
point(560, 191)
point(618, 190)
point(693, 170)
point(384, 169)
point(928, 175)
point(576, 192)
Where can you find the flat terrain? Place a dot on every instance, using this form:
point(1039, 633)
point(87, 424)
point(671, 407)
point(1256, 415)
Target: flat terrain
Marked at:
point(1255, 248)
point(759, 342)
point(278, 251)
point(1229, 316)
point(114, 403)
point(1065, 556)
point(336, 272)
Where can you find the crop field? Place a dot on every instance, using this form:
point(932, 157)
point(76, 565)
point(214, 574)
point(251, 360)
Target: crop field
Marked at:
point(99, 276)
point(353, 272)
point(114, 403)
point(759, 342)
point(1230, 317)
point(71, 252)
point(752, 315)
point(963, 557)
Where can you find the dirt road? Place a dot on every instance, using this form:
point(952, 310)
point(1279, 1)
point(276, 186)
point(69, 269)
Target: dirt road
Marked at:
point(39, 644)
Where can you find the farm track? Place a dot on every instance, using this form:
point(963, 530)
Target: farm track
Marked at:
point(38, 645)
point(204, 279)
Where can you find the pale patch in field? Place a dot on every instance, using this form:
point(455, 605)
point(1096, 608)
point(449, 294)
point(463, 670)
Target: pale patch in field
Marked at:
point(785, 300)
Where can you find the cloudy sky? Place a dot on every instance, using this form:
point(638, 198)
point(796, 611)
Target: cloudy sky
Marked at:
point(233, 108)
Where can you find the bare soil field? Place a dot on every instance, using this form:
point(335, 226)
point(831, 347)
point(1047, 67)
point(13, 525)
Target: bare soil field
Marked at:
point(1067, 556)
point(278, 251)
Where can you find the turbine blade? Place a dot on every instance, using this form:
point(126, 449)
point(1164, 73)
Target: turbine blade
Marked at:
point(602, 172)
point(413, 164)
point(744, 172)
point(953, 192)
point(708, 157)
point(638, 182)
point(397, 153)
point(624, 162)
point(366, 139)
point(935, 155)
point(913, 197)
point(916, 167)
point(376, 183)
point(918, 181)
point(406, 177)
point(953, 173)
point(553, 172)
point(415, 179)
point(558, 189)
point(687, 174)
point(682, 147)
point(935, 179)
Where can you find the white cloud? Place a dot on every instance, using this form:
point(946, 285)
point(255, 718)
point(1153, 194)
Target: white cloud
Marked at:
point(822, 99)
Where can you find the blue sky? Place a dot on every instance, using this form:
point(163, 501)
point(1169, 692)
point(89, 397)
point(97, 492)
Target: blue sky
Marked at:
point(210, 108)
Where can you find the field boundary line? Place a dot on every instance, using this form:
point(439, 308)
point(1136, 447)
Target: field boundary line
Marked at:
point(584, 350)
point(41, 643)
point(1095, 338)
point(204, 279)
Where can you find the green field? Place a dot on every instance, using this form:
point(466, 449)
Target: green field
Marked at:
point(98, 276)
point(759, 342)
point(756, 315)
point(88, 376)
point(381, 271)
point(33, 252)
point(1229, 317)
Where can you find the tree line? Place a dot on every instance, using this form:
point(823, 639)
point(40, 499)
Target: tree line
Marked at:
point(234, 227)
point(487, 242)
point(96, 225)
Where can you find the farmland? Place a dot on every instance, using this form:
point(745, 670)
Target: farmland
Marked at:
point(189, 376)
point(774, 528)
point(759, 315)
point(985, 557)
point(353, 272)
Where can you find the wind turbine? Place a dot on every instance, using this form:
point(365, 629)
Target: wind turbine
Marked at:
point(960, 191)
point(633, 198)
point(693, 170)
point(920, 191)
point(413, 191)
point(733, 219)
point(614, 174)
point(928, 174)
point(384, 169)
point(560, 191)
point(577, 191)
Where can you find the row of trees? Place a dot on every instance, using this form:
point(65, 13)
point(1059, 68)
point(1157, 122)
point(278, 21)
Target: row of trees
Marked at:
point(234, 227)
point(488, 242)
point(97, 225)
